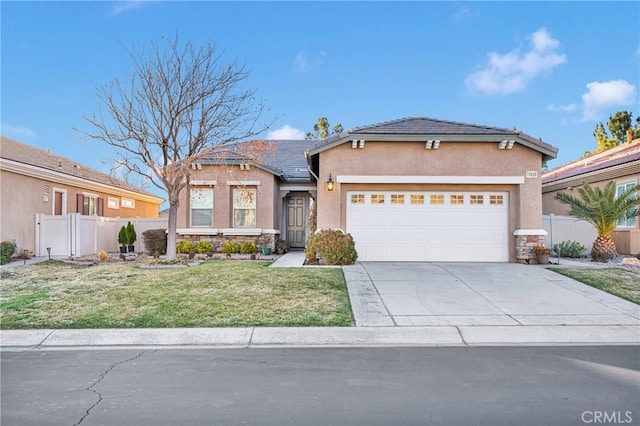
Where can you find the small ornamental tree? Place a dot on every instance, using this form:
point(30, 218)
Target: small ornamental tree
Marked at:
point(132, 237)
point(123, 238)
point(602, 209)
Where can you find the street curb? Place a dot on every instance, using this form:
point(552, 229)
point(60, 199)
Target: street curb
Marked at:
point(320, 337)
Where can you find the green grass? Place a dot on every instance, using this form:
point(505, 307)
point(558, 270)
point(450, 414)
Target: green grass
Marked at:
point(213, 294)
point(621, 283)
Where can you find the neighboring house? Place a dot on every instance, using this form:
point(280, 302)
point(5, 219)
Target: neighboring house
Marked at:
point(36, 181)
point(414, 189)
point(620, 164)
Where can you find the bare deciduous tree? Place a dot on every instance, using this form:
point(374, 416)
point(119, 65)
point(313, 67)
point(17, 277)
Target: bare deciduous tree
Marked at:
point(178, 101)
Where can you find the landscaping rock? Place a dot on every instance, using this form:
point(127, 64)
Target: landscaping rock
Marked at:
point(630, 261)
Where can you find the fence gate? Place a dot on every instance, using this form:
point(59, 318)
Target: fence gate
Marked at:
point(78, 235)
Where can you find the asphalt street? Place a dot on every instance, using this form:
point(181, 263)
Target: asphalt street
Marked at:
point(372, 386)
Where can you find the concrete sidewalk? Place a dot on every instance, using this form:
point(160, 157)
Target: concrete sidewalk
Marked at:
point(265, 337)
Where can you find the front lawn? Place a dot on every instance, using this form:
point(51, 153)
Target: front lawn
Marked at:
point(213, 294)
point(616, 281)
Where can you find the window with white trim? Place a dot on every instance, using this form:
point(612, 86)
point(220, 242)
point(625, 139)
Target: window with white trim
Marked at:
point(244, 208)
point(357, 198)
point(201, 203)
point(127, 203)
point(113, 203)
point(377, 198)
point(417, 199)
point(397, 198)
point(90, 205)
point(620, 189)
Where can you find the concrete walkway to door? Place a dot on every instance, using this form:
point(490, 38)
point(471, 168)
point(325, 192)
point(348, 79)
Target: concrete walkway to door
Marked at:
point(488, 301)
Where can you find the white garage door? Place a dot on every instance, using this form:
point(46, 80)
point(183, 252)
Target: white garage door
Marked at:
point(429, 226)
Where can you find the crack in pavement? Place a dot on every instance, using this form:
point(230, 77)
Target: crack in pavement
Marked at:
point(101, 378)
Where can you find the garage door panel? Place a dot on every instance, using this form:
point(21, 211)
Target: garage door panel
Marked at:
point(430, 232)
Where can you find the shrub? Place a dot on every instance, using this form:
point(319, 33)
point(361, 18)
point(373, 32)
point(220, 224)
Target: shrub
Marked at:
point(131, 234)
point(185, 247)
point(571, 249)
point(540, 249)
point(103, 255)
point(155, 241)
point(204, 247)
point(231, 247)
point(336, 247)
point(6, 250)
point(248, 247)
point(281, 247)
point(123, 238)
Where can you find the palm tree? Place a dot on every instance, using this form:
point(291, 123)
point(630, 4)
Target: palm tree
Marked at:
point(602, 209)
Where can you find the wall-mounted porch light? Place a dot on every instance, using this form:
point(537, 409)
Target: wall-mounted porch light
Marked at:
point(330, 183)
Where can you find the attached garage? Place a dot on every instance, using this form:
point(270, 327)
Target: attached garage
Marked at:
point(429, 226)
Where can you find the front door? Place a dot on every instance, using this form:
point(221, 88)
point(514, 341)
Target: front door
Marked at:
point(296, 221)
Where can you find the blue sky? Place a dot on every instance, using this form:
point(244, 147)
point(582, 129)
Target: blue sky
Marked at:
point(551, 69)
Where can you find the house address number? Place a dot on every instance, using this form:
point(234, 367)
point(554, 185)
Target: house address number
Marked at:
point(531, 174)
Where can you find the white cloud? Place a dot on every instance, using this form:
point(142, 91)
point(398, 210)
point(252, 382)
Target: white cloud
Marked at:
point(17, 131)
point(125, 6)
point(303, 62)
point(562, 108)
point(604, 95)
point(511, 72)
point(462, 14)
point(285, 132)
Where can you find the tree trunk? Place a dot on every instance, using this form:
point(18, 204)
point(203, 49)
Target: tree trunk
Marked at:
point(603, 249)
point(171, 229)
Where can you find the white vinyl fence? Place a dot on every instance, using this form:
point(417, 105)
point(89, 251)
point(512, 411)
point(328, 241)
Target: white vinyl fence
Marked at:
point(77, 235)
point(563, 228)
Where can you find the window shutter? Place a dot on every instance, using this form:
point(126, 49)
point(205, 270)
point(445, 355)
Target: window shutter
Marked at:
point(80, 203)
point(100, 206)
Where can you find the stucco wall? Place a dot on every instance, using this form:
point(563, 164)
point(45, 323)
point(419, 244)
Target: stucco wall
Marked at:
point(223, 192)
point(627, 239)
point(21, 197)
point(412, 159)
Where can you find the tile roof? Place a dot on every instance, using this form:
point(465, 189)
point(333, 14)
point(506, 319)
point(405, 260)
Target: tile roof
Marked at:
point(32, 156)
point(289, 157)
point(619, 155)
point(283, 158)
point(419, 125)
point(431, 126)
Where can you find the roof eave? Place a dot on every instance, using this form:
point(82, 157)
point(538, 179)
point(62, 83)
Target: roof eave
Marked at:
point(547, 153)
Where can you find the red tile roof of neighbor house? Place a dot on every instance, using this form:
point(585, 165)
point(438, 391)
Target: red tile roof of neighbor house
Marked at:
point(621, 154)
point(32, 156)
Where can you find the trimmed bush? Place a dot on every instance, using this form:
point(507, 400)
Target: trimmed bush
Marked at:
point(334, 246)
point(131, 234)
point(571, 249)
point(230, 247)
point(185, 247)
point(123, 238)
point(6, 250)
point(204, 247)
point(155, 241)
point(248, 247)
point(103, 256)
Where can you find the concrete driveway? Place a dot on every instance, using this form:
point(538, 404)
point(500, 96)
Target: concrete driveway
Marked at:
point(478, 294)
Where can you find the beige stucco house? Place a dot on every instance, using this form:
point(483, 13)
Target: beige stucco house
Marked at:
point(414, 189)
point(620, 164)
point(35, 181)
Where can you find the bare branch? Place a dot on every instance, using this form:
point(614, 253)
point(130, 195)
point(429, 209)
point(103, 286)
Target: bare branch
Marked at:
point(178, 101)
